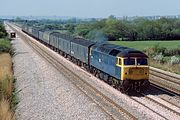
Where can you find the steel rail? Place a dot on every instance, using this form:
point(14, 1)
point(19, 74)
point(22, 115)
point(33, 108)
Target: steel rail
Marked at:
point(165, 76)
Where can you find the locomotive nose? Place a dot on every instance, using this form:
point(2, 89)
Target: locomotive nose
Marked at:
point(136, 73)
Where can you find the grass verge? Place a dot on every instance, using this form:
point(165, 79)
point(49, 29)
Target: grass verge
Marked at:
point(8, 96)
point(5, 111)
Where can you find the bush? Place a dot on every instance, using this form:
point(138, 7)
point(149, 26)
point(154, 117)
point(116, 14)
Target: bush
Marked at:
point(155, 50)
point(5, 46)
point(149, 51)
point(172, 52)
point(158, 49)
point(174, 60)
point(3, 32)
point(158, 57)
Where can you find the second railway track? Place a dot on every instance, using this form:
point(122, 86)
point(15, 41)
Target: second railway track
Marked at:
point(154, 104)
point(165, 80)
point(164, 94)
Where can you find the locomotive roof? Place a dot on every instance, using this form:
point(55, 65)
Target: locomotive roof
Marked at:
point(118, 50)
point(83, 42)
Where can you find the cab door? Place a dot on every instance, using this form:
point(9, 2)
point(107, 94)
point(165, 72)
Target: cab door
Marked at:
point(118, 68)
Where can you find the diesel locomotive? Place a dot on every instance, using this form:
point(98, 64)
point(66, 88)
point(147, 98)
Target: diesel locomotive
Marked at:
point(122, 67)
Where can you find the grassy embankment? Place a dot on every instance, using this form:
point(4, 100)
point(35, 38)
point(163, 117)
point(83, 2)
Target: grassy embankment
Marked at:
point(163, 50)
point(8, 98)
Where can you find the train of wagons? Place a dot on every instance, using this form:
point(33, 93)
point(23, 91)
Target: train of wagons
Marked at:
point(122, 67)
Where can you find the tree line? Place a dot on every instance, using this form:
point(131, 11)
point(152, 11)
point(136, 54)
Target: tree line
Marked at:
point(139, 29)
point(112, 28)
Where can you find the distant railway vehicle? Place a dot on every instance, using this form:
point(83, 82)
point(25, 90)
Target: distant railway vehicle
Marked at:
point(12, 35)
point(122, 67)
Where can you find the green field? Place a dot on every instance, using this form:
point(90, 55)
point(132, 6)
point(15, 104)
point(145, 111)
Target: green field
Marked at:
point(141, 45)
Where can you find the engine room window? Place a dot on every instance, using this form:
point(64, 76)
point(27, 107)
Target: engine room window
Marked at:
point(142, 61)
point(130, 61)
point(117, 61)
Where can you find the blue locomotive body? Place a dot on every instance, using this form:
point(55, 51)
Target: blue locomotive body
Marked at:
point(105, 62)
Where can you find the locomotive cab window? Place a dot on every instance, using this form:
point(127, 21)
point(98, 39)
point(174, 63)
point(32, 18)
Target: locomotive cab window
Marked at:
point(142, 61)
point(118, 61)
point(129, 61)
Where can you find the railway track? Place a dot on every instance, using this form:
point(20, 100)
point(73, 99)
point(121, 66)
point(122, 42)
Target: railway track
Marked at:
point(175, 109)
point(155, 104)
point(170, 102)
point(164, 94)
point(105, 103)
point(165, 80)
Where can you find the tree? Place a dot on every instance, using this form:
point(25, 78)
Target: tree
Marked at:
point(70, 28)
point(99, 24)
point(112, 17)
point(83, 30)
point(132, 33)
point(3, 32)
point(115, 29)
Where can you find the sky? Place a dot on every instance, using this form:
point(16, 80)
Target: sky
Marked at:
point(89, 8)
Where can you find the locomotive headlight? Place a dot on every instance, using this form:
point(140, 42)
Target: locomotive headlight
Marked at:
point(126, 71)
point(146, 72)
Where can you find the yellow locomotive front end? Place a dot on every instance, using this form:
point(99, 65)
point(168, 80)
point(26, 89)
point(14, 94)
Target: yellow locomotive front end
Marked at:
point(135, 69)
point(134, 73)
